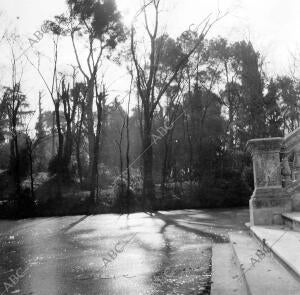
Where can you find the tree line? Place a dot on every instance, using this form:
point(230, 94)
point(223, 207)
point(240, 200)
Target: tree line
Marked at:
point(180, 130)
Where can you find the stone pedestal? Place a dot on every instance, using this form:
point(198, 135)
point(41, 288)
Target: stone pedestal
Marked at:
point(297, 163)
point(269, 199)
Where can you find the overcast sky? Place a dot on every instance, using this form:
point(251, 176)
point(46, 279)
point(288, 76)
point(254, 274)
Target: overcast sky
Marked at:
point(271, 25)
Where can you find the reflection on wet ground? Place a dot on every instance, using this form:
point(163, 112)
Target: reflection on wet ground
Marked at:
point(164, 253)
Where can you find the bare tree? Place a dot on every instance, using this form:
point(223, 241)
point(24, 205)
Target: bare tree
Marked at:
point(152, 84)
point(99, 22)
point(14, 102)
point(119, 144)
point(53, 88)
point(100, 102)
point(79, 132)
point(128, 144)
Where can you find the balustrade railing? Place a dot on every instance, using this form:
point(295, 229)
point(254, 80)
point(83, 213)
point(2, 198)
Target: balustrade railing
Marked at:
point(290, 161)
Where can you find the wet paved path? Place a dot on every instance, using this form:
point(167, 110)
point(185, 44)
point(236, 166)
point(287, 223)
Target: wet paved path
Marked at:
point(167, 253)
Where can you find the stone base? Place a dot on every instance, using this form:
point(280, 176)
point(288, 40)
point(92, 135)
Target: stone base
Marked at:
point(266, 208)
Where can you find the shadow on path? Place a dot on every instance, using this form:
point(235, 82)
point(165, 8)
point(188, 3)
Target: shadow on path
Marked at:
point(65, 229)
point(215, 238)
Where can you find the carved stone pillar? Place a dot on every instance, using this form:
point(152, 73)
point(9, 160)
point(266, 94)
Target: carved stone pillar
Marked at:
point(269, 199)
point(296, 168)
point(286, 171)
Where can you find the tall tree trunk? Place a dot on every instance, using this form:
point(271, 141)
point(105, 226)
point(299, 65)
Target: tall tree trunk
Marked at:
point(122, 179)
point(16, 160)
point(29, 147)
point(191, 155)
point(91, 134)
point(164, 168)
point(53, 135)
point(78, 145)
point(79, 165)
point(128, 150)
point(231, 134)
point(59, 151)
point(166, 163)
point(94, 169)
point(67, 150)
point(127, 164)
point(123, 202)
point(148, 185)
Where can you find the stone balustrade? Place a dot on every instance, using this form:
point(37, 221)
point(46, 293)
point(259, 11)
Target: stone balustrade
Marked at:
point(291, 167)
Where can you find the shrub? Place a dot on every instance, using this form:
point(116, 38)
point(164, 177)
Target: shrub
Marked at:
point(247, 177)
point(120, 190)
point(68, 170)
point(4, 156)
